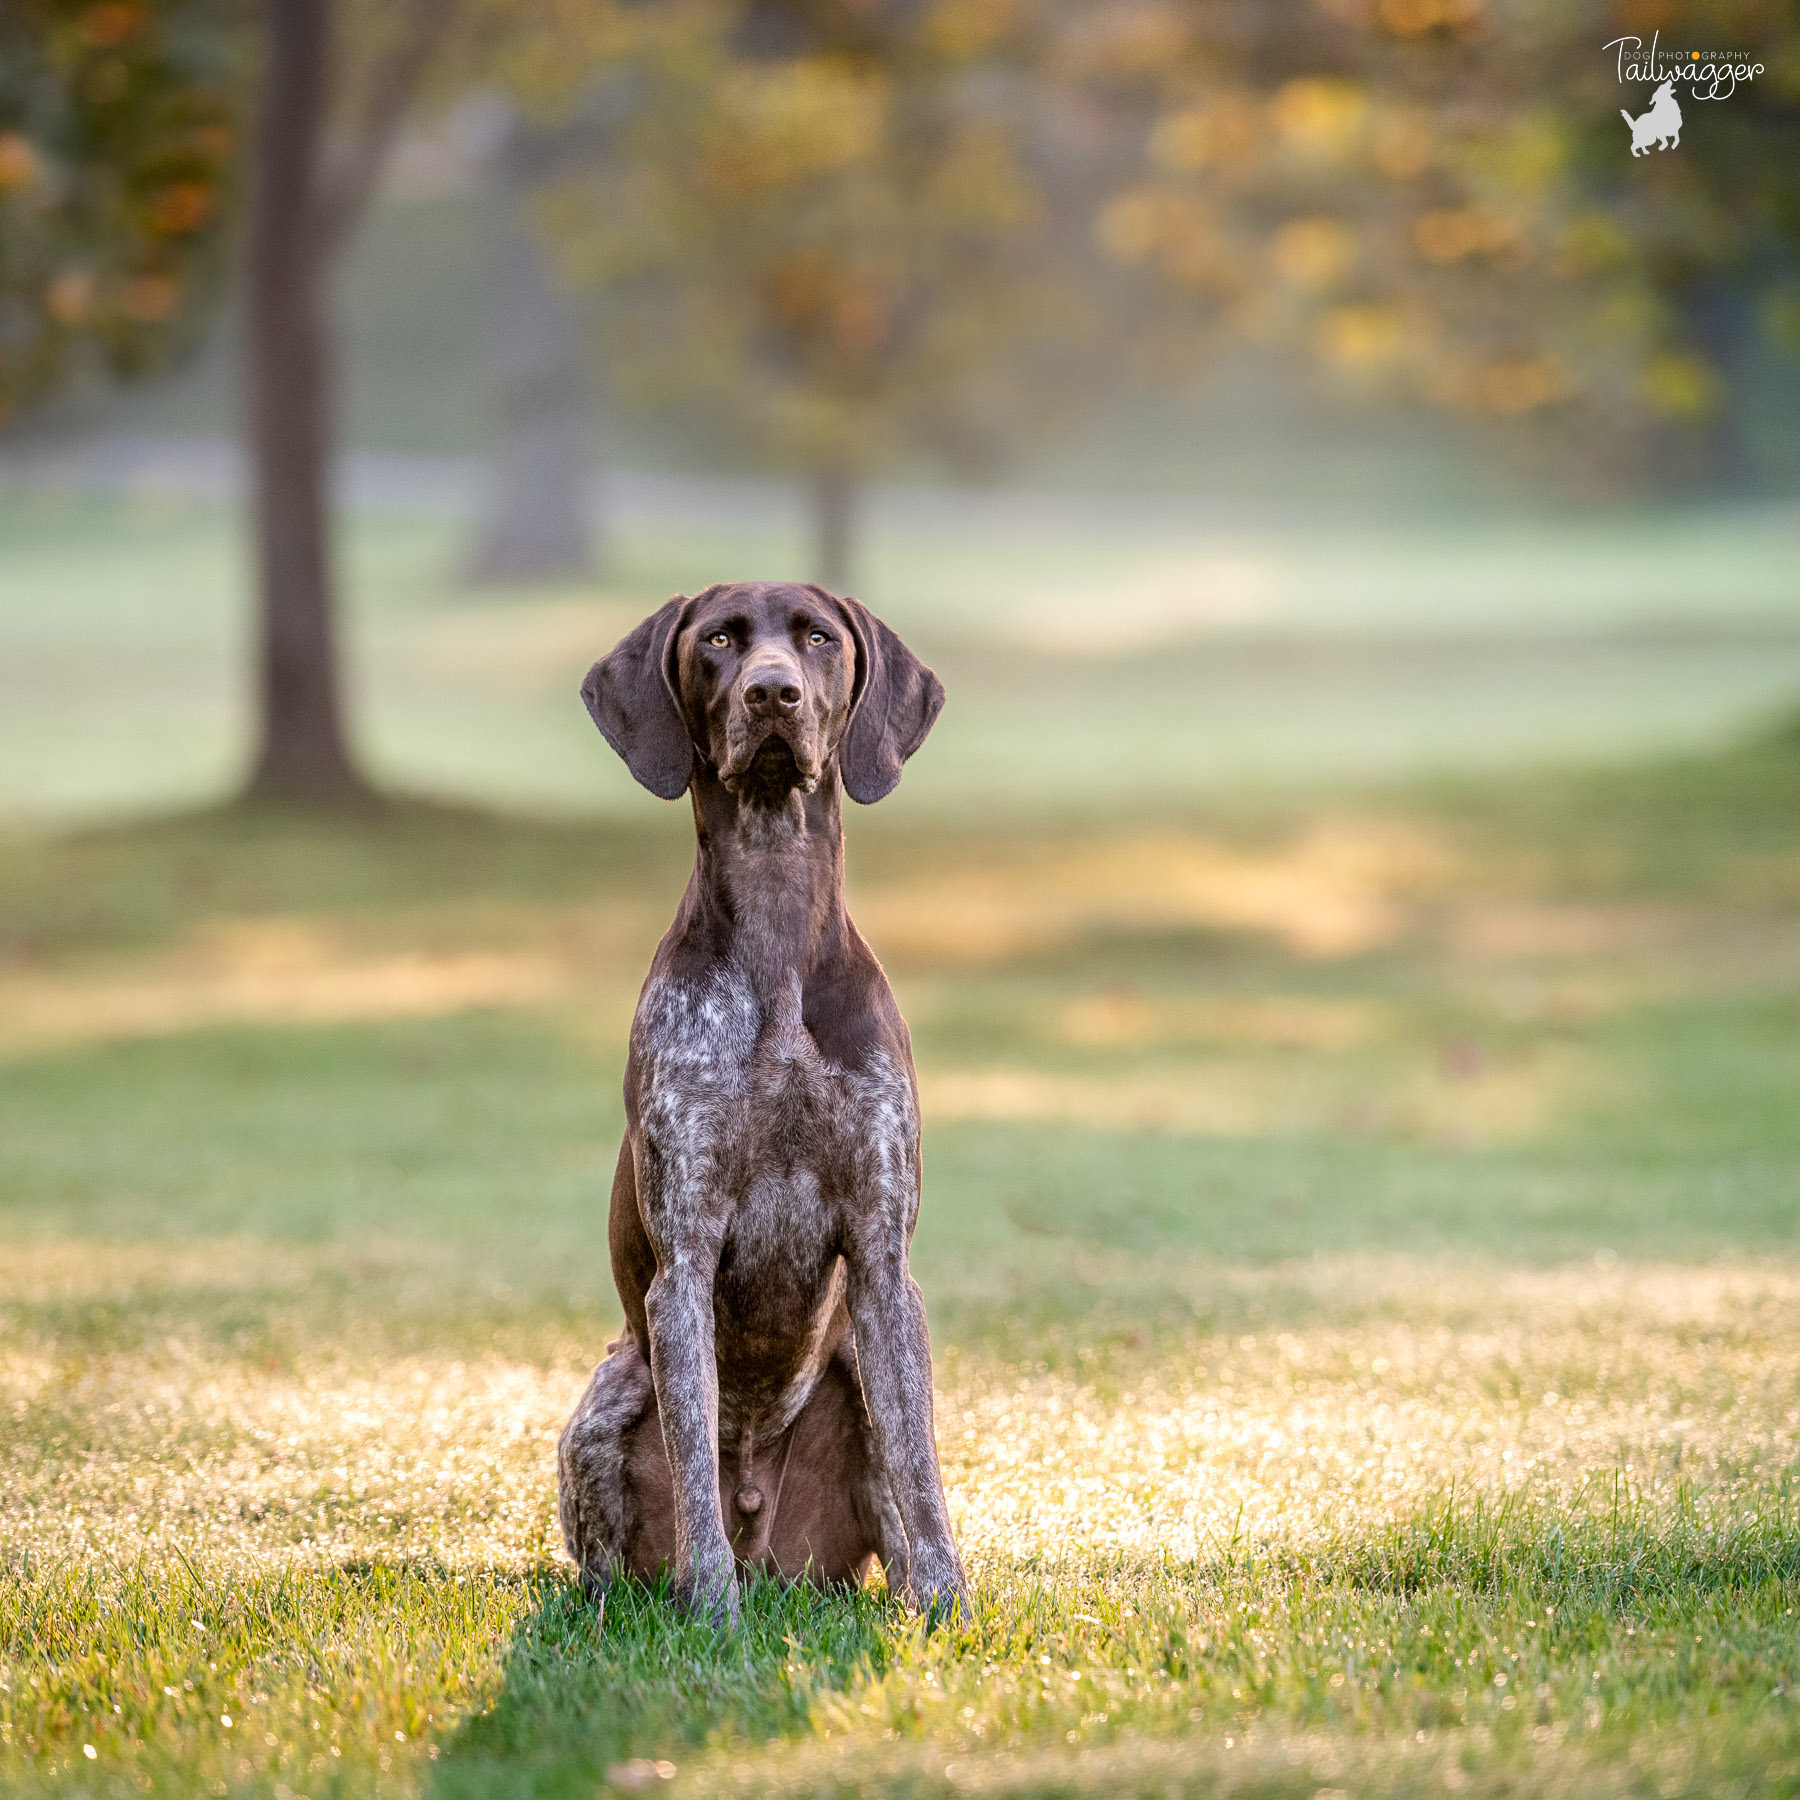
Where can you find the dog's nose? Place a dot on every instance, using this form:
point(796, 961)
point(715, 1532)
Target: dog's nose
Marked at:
point(771, 693)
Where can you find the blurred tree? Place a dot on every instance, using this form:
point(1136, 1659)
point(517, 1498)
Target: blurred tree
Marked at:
point(535, 524)
point(118, 151)
point(830, 238)
point(305, 204)
point(328, 119)
point(118, 139)
point(1434, 197)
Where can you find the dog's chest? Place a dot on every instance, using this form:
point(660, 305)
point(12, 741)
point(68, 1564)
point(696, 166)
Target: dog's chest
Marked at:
point(736, 1092)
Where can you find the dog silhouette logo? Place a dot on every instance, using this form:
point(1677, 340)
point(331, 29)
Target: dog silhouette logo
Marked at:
point(1660, 127)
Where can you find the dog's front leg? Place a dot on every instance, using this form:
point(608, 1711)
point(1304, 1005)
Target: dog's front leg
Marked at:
point(685, 1236)
point(893, 1354)
point(679, 1312)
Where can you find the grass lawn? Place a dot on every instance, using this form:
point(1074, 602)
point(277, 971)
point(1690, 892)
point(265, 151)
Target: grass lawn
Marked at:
point(1359, 1232)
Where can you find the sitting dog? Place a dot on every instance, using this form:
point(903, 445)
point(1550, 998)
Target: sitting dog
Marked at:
point(768, 1405)
point(1660, 126)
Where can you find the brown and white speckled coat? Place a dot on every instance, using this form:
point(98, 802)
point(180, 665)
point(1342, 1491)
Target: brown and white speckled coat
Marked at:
point(768, 1404)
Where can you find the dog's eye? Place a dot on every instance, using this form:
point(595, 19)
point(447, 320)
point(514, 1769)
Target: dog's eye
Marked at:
point(818, 637)
point(720, 640)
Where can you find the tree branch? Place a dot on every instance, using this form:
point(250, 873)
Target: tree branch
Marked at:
point(348, 182)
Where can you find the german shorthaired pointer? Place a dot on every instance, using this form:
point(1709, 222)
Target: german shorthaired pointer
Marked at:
point(768, 1405)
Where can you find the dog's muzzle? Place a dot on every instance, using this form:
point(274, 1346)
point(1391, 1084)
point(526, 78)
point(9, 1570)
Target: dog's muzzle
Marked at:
point(769, 702)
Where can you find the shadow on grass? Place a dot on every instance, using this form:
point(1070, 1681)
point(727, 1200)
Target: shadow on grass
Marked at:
point(140, 881)
point(1580, 1612)
point(583, 1692)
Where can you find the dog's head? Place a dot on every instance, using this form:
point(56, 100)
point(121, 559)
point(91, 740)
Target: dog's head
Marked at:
point(771, 684)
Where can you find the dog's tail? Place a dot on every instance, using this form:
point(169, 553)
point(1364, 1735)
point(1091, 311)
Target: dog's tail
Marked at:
point(1623, 114)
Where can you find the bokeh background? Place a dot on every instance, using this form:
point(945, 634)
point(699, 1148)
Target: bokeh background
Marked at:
point(1348, 913)
point(1324, 389)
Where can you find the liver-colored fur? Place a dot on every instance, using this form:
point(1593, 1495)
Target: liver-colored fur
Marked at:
point(769, 1403)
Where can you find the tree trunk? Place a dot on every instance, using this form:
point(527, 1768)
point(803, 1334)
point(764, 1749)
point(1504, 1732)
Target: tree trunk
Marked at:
point(535, 526)
point(834, 515)
point(302, 752)
point(1722, 317)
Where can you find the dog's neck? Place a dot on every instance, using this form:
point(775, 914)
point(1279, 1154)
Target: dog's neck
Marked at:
point(769, 876)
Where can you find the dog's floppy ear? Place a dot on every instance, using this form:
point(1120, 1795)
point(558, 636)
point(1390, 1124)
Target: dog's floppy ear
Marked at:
point(896, 702)
point(631, 694)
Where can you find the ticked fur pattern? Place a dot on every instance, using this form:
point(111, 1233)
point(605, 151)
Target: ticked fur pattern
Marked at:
point(769, 1403)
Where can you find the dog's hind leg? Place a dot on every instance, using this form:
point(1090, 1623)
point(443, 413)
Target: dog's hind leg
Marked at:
point(826, 1514)
point(614, 1495)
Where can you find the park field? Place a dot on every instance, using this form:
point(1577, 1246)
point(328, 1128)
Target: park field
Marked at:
point(1100, 652)
point(1360, 1244)
point(1360, 1053)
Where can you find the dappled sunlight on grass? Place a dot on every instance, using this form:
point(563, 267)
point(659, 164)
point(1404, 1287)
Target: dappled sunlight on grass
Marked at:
point(1490, 1102)
point(261, 971)
point(1175, 599)
point(1336, 888)
point(1294, 1436)
point(1465, 1509)
point(1522, 929)
point(1122, 1016)
point(533, 643)
point(1408, 1378)
point(1359, 1245)
point(255, 1469)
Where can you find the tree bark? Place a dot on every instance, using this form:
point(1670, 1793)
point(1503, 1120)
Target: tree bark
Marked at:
point(303, 752)
point(834, 517)
point(535, 525)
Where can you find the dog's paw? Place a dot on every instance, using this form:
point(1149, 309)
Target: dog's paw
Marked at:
point(946, 1606)
point(711, 1591)
point(940, 1591)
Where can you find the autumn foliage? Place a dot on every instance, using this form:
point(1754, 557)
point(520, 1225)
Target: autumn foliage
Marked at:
point(118, 151)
